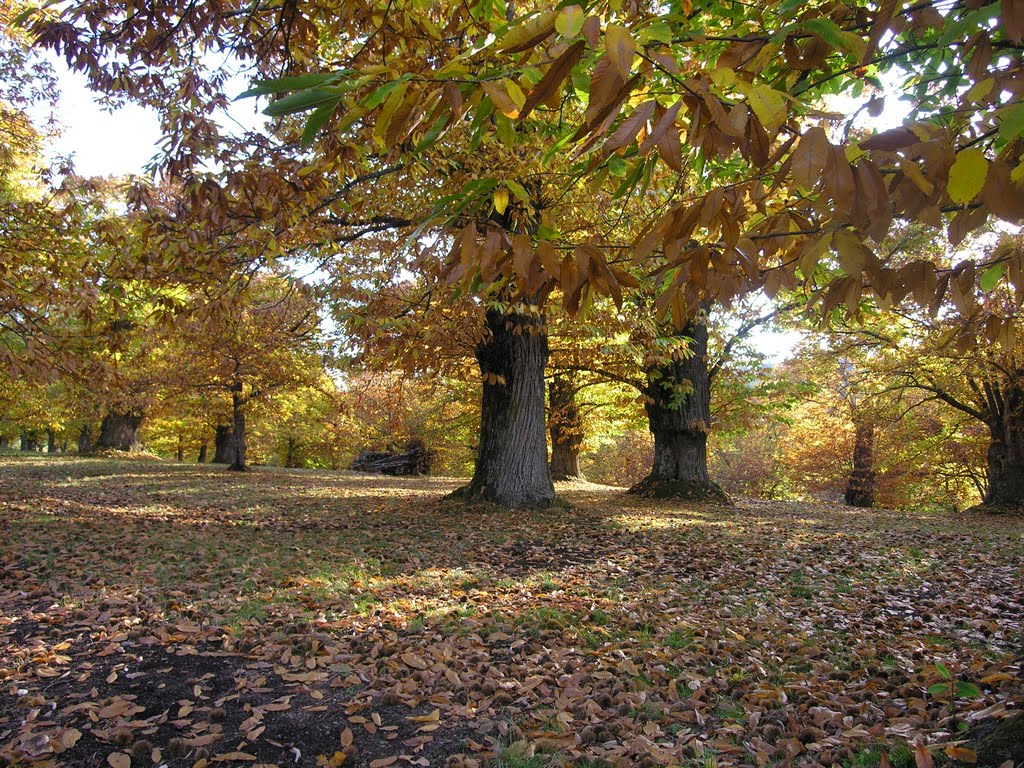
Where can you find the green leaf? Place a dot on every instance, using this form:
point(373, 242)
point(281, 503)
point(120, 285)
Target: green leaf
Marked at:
point(301, 101)
point(967, 690)
point(1011, 122)
point(943, 671)
point(519, 191)
point(967, 176)
point(655, 32)
point(506, 129)
point(545, 232)
point(938, 689)
point(318, 120)
point(991, 276)
point(296, 83)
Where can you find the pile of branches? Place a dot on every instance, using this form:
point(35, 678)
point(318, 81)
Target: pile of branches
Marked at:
point(414, 460)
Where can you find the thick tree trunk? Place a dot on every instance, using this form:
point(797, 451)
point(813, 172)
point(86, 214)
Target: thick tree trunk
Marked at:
point(860, 486)
point(85, 438)
point(679, 416)
point(51, 441)
point(1006, 450)
point(202, 454)
point(512, 456)
point(565, 427)
point(120, 432)
point(224, 444)
point(238, 429)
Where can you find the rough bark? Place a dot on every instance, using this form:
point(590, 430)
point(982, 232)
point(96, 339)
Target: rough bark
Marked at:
point(51, 441)
point(679, 417)
point(860, 486)
point(120, 432)
point(512, 456)
point(202, 454)
point(566, 429)
point(85, 438)
point(1006, 450)
point(238, 429)
point(224, 444)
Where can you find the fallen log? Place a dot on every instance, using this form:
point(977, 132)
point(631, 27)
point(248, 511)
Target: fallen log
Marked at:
point(414, 460)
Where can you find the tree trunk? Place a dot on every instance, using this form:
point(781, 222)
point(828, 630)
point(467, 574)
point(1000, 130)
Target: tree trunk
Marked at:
point(238, 429)
point(224, 445)
point(679, 416)
point(512, 456)
point(1006, 449)
point(51, 441)
point(85, 438)
point(5, 442)
point(566, 429)
point(291, 454)
point(28, 441)
point(202, 454)
point(180, 455)
point(860, 486)
point(120, 432)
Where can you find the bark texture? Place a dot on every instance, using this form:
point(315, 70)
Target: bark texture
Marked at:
point(860, 486)
point(566, 429)
point(512, 456)
point(120, 432)
point(202, 454)
point(1006, 446)
point(238, 429)
point(51, 441)
point(85, 438)
point(679, 417)
point(224, 444)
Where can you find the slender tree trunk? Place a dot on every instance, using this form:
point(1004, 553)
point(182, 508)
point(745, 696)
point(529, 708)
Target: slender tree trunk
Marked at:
point(291, 454)
point(224, 444)
point(51, 441)
point(679, 416)
point(120, 432)
point(1006, 448)
point(860, 486)
point(202, 454)
point(180, 455)
point(565, 427)
point(512, 456)
point(85, 438)
point(238, 429)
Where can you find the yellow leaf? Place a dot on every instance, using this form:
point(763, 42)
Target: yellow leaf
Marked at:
point(570, 21)
point(621, 48)
point(500, 204)
point(769, 105)
point(338, 759)
point(980, 90)
point(967, 176)
point(1017, 175)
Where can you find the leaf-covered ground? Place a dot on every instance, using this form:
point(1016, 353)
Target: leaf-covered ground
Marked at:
point(159, 614)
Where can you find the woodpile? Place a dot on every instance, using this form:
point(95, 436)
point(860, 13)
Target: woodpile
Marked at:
point(414, 460)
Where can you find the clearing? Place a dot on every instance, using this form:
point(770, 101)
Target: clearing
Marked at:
point(180, 615)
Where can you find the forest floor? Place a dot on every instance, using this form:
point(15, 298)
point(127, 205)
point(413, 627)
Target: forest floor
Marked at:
point(163, 614)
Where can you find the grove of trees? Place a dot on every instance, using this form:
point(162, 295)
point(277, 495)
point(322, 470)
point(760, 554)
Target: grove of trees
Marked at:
point(545, 241)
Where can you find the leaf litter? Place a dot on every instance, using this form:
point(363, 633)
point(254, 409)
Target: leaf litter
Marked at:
point(157, 614)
